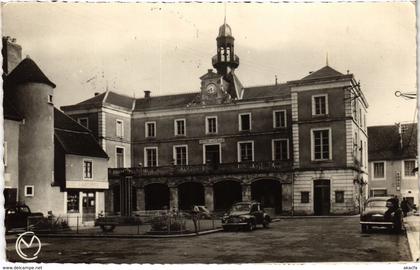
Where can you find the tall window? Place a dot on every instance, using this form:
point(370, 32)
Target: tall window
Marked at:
point(87, 169)
point(180, 127)
point(150, 157)
point(279, 119)
point(72, 201)
point(321, 144)
point(119, 152)
point(379, 170)
point(84, 121)
point(245, 121)
point(409, 166)
point(280, 149)
point(319, 105)
point(211, 124)
point(245, 151)
point(120, 128)
point(180, 155)
point(150, 129)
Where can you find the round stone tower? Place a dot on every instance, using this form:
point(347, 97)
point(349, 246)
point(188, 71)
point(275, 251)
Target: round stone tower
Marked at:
point(32, 93)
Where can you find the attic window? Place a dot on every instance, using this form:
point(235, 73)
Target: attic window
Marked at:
point(50, 99)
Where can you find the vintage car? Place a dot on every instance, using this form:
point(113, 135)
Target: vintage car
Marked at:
point(17, 217)
point(245, 215)
point(381, 212)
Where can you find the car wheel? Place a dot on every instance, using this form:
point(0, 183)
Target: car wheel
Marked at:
point(266, 223)
point(251, 225)
point(365, 228)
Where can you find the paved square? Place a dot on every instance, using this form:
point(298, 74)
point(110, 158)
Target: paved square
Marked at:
point(311, 239)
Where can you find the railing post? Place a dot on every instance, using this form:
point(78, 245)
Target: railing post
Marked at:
point(27, 223)
point(169, 224)
point(77, 224)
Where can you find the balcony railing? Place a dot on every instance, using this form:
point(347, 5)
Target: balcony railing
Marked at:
point(202, 169)
point(215, 60)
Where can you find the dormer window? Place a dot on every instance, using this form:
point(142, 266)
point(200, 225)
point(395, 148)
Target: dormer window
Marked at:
point(83, 121)
point(319, 105)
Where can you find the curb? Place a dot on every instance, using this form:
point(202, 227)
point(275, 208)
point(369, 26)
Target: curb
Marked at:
point(278, 218)
point(413, 241)
point(131, 236)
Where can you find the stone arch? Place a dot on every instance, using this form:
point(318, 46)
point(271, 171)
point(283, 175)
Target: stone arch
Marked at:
point(225, 193)
point(156, 196)
point(268, 192)
point(189, 194)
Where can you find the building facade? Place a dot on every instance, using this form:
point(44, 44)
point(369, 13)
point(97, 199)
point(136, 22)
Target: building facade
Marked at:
point(298, 147)
point(50, 161)
point(393, 161)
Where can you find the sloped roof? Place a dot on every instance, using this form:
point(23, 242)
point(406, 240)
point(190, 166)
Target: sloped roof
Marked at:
point(276, 90)
point(384, 142)
point(27, 71)
point(324, 72)
point(169, 101)
point(93, 100)
point(119, 100)
point(74, 138)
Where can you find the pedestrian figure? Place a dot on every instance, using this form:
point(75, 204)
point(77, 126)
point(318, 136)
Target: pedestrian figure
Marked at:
point(405, 206)
point(194, 213)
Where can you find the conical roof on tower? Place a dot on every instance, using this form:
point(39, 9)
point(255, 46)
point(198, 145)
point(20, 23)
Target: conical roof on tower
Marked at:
point(27, 71)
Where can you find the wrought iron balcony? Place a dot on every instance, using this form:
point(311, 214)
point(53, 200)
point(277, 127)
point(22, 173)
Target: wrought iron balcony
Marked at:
point(202, 169)
point(216, 61)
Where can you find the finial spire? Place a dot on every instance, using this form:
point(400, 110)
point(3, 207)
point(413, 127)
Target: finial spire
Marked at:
point(326, 60)
point(225, 13)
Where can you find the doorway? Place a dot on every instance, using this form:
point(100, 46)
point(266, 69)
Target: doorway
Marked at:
point(88, 206)
point(322, 197)
point(212, 154)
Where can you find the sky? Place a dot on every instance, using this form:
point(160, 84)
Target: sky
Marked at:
point(165, 48)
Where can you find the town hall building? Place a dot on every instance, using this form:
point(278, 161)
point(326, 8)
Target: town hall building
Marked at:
point(298, 147)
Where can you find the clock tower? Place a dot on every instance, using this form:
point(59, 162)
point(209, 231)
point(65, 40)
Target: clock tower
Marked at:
point(223, 86)
point(225, 60)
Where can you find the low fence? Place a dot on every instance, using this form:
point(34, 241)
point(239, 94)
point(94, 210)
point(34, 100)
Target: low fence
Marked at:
point(142, 223)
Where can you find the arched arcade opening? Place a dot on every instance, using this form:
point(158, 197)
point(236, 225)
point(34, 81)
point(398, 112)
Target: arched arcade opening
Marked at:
point(156, 196)
point(226, 193)
point(189, 194)
point(268, 193)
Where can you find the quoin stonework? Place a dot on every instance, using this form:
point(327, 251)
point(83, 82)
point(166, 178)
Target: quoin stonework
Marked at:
point(298, 147)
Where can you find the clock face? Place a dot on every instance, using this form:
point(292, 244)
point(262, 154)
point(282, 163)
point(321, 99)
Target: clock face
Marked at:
point(211, 88)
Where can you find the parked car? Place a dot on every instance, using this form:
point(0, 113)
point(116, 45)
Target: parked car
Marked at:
point(381, 212)
point(245, 215)
point(17, 216)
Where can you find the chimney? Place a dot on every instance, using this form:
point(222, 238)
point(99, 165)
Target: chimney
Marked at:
point(210, 70)
point(96, 93)
point(147, 94)
point(12, 54)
